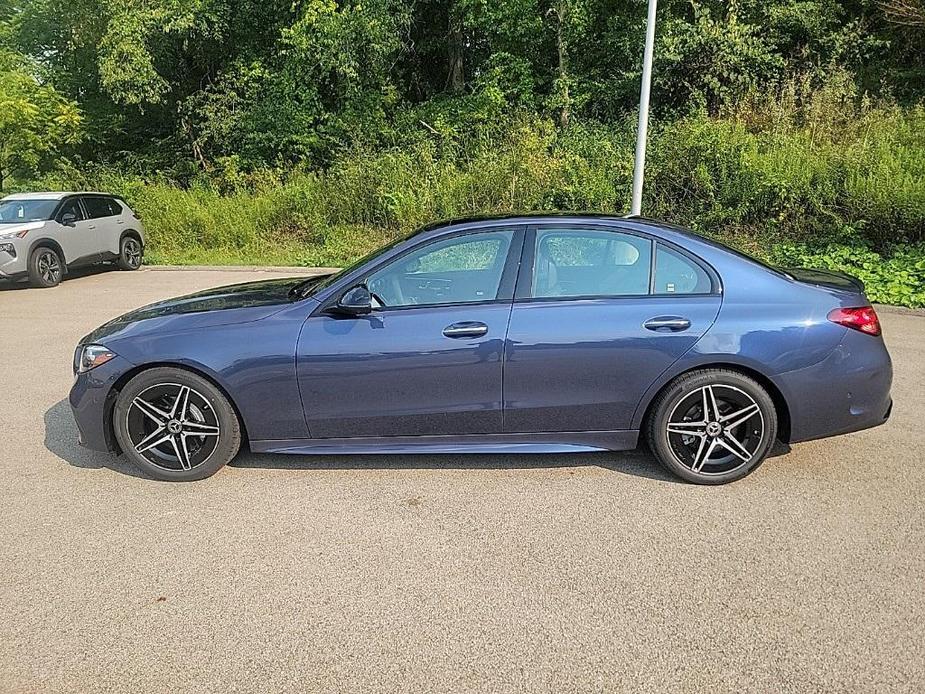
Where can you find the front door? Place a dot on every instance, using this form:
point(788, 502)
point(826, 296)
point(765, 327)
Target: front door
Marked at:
point(78, 240)
point(592, 327)
point(427, 360)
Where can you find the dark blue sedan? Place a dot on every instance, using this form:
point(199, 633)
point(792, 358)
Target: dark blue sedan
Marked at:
point(543, 334)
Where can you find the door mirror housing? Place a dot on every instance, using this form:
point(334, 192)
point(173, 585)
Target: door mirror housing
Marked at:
point(356, 301)
point(69, 219)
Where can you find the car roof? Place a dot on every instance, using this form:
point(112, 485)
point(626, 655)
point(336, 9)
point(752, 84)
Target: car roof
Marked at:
point(53, 195)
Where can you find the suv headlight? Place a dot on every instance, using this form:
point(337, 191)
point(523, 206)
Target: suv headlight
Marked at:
point(90, 356)
point(9, 248)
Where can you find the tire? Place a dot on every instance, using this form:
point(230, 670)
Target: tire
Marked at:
point(131, 253)
point(177, 442)
point(45, 267)
point(715, 449)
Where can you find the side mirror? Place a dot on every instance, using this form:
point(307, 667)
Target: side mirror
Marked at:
point(356, 301)
point(69, 219)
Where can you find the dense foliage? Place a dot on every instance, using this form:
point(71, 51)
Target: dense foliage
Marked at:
point(311, 130)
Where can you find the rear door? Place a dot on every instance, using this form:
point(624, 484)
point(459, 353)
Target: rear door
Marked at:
point(599, 314)
point(104, 217)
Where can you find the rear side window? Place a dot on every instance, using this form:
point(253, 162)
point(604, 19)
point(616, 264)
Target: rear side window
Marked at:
point(101, 207)
point(590, 262)
point(677, 274)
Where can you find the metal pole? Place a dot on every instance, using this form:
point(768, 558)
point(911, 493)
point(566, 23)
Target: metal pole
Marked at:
point(642, 132)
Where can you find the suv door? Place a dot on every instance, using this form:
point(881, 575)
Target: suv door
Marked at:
point(428, 359)
point(78, 240)
point(599, 314)
point(104, 213)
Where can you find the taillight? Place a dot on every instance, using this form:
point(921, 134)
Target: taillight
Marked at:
point(862, 318)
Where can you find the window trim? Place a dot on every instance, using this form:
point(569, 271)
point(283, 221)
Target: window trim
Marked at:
point(506, 286)
point(524, 291)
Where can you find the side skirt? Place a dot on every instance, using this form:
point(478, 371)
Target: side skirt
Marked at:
point(545, 442)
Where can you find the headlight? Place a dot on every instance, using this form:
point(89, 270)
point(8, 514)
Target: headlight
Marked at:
point(9, 248)
point(90, 356)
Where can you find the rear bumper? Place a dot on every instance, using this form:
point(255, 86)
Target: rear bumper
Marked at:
point(845, 392)
point(92, 397)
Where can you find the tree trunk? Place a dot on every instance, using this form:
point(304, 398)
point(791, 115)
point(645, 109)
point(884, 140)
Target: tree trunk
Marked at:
point(456, 76)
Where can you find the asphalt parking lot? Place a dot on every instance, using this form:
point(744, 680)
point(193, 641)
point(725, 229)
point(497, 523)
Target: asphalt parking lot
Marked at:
point(547, 573)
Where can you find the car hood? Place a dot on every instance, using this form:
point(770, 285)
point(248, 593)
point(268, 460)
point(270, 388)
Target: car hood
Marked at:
point(237, 303)
point(13, 229)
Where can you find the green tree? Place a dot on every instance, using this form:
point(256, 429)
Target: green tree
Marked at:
point(35, 120)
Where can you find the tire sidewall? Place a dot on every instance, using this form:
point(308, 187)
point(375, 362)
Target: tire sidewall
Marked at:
point(229, 441)
point(657, 434)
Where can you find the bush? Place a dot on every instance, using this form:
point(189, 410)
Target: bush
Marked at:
point(778, 180)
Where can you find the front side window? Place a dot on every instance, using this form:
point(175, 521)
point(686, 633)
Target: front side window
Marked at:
point(590, 262)
point(72, 209)
point(457, 270)
point(20, 211)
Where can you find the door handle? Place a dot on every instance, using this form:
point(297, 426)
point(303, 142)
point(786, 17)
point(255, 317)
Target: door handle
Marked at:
point(674, 324)
point(465, 329)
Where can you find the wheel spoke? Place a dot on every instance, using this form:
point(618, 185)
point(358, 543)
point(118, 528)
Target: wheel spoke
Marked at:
point(181, 404)
point(198, 429)
point(182, 453)
point(154, 413)
point(156, 438)
point(710, 408)
point(702, 455)
point(739, 416)
point(734, 447)
point(687, 428)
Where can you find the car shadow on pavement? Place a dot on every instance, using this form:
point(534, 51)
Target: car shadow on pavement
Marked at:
point(61, 439)
point(76, 273)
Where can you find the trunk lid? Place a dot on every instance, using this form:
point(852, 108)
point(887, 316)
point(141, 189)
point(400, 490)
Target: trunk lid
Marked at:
point(829, 279)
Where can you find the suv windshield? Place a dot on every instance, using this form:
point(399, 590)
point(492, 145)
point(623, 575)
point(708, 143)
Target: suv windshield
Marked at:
point(19, 211)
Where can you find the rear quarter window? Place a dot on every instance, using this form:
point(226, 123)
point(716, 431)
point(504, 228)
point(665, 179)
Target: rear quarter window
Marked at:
point(675, 273)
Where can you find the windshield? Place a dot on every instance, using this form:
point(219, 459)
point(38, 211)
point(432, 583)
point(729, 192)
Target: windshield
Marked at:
point(19, 211)
point(315, 284)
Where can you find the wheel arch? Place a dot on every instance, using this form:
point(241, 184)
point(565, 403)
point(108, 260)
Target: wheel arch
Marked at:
point(780, 402)
point(133, 233)
point(47, 242)
point(135, 371)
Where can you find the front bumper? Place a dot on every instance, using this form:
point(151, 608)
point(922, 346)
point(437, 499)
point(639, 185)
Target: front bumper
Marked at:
point(12, 265)
point(92, 398)
point(847, 391)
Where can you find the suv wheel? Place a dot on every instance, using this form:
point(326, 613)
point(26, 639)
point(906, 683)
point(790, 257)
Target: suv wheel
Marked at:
point(130, 253)
point(45, 267)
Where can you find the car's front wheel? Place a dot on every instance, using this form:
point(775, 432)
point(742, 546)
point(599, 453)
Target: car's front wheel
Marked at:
point(712, 426)
point(45, 267)
point(175, 425)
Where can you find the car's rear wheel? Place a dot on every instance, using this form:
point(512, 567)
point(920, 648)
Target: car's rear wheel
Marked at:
point(175, 425)
point(130, 253)
point(45, 267)
point(712, 426)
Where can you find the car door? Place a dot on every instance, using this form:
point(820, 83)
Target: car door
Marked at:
point(77, 237)
point(599, 314)
point(428, 359)
point(103, 220)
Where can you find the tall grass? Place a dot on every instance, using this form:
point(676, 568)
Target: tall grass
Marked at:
point(810, 170)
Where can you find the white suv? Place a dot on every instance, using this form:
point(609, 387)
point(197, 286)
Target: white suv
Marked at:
point(43, 235)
